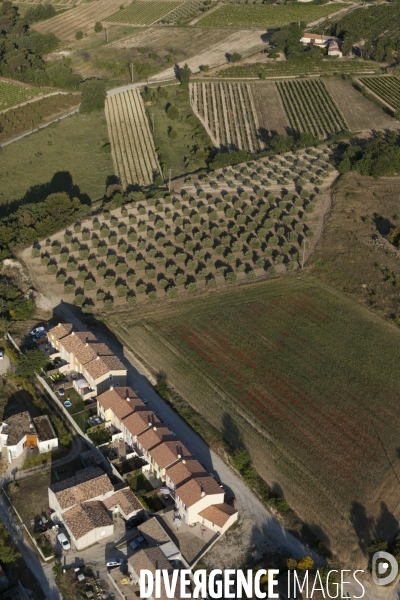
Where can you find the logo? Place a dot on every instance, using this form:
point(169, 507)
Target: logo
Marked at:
point(381, 561)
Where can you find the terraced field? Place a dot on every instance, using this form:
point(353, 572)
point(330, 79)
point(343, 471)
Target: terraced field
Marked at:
point(82, 18)
point(133, 152)
point(143, 12)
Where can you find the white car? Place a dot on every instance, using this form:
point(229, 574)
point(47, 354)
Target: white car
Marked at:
point(1, 354)
point(114, 562)
point(38, 330)
point(62, 538)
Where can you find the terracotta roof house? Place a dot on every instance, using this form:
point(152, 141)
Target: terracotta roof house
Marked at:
point(88, 523)
point(165, 454)
point(87, 484)
point(125, 502)
point(182, 471)
point(152, 559)
point(154, 436)
point(316, 39)
point(20, 431)
point(218, 517)
point(195, 495)
point(109, 399)
point(138, 422)
point(92, 364)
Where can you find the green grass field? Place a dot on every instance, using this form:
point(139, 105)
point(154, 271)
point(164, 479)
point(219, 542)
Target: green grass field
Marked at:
point(265, 15)
point(72, 146)
point(302, 376)
point(143, 13)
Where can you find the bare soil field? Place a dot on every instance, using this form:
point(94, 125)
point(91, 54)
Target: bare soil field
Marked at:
point(360, 113)
point(245, 42)
point(83, 18)
point(304, 378)
point(354, 254)
point(270, 111)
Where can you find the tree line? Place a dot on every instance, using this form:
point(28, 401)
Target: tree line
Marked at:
point(377, 157)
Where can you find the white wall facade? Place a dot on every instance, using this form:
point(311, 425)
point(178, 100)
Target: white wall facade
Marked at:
point(95, 535)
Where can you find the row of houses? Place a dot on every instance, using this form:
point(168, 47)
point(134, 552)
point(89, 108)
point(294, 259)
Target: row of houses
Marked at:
point(198, 497)
point(91, 364)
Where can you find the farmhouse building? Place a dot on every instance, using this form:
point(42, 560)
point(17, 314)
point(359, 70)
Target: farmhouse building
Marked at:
point(91, 364)
point(20, 431)
point(333, 49)
point(316, 39)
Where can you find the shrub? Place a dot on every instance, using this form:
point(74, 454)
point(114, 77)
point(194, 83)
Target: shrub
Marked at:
point(108, 303)
point(109, 280)
point(152, 296)
point(83, 253)
point(111, 259)
point(113, 239)
point(131, 299)
point(61, 277)
point(79, 299)
point(100, 295)
point(67, 237)
point(122, 267)
point(69, 288)
point(79, 35)
point(52, 269)
point(86, 234)
point(89, 283)
point(55, 248)
point(121, 290)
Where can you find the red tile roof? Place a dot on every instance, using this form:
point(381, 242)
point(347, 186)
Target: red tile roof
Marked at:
point(167, 453)
point(84, 485)
point(185, 469)
point(154, 436)
point(85, 517)
point(218, 514)
point(196, 488)
point(139, 421)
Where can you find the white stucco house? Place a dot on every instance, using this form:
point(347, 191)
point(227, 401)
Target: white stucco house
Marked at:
point(20, 431)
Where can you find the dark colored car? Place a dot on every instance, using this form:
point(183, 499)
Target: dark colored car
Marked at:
point(134, 522)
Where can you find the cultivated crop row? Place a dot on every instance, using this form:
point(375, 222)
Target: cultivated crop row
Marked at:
point(132, 144)
point(83, 18)
point(311, 108)
point(12, 94)
point(184, 12)
point(228, 114)
point(143, 12)
point(30, 116)
point(386, 87)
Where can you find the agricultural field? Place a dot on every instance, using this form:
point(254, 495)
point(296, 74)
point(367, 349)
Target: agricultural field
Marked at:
point(58, 4)
point(72, 155)
point(184, 12)
point(196, 241)
point(293, 67)
point(228, 114)
point(282, 368)
point(310, 108)
point(132, 146)
point(386, 87)
point(17, 121)
point(143, 12)
point(265, 15)
point(360, 113)
point(246, 42)
point(269, 109)
point(83, 18)
point(12, 94)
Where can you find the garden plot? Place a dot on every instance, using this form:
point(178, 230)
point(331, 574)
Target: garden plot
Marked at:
point(270, 111)
point(310, 108)
point(255, 222)
point(132, 144)
point(143, 12)
point(228, 114)
point(82, 18)
point(360, 113)
point(244, 42)
point(386, 87)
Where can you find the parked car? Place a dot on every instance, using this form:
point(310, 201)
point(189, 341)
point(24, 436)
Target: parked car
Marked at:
point(62, 538)
point(38, 330)
point(134, 521)
point(1, 354)
point(137, 542)
point(144, 401)
point(114, 562)
point(155, 413)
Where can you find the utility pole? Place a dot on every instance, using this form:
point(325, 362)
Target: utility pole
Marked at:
point(169, 180)
point(152, 121)
point(106, 33)
point(304, 253)
point(131, 66)
point(32, 125)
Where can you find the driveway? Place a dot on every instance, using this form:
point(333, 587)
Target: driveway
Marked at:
point(4, 364)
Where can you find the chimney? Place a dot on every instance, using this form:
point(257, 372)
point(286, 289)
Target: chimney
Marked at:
point(202, 493)
point(73, 333)
point(86, 344)
point(98, 357)
point(155, 428)
point(128, 399)
point(149, 422)
point(111, 387)
point(184, 462)
point(179, 456)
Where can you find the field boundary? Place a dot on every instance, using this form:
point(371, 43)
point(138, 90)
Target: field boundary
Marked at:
point(35, 99)
point(20, 137)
